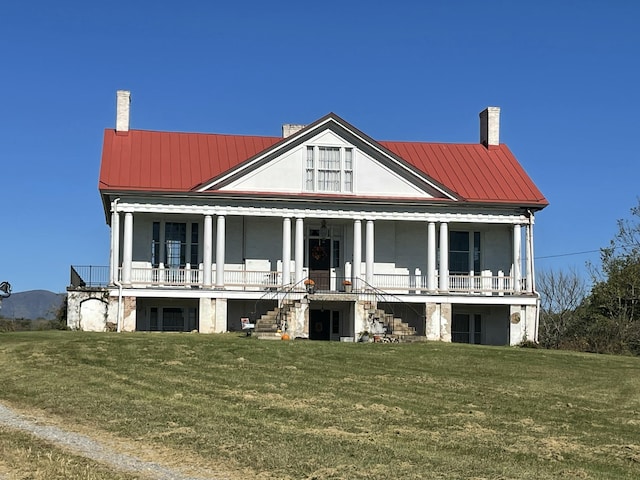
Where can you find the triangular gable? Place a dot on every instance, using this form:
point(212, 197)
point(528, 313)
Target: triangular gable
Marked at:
point(282, 168)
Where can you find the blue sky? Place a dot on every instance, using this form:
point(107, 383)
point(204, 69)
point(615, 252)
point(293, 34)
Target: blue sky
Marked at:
point(565, 74)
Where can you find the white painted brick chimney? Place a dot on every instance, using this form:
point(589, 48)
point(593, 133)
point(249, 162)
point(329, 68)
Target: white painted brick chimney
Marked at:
point(289, 129)
point(490, 126)
point(123, 102)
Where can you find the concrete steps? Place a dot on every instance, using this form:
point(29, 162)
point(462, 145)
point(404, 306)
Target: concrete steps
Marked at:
point(394, 326)
point(269, 325)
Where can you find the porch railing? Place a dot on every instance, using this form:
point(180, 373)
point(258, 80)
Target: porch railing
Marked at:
point(471, 284)
point(161, 276)
point(167, 276)
point(483, 284)
point(98, 276)
point(90, 276)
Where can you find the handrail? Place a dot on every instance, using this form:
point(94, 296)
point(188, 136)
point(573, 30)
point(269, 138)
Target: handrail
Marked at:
point(280, 294)
point(381, 295)
point(89, 276)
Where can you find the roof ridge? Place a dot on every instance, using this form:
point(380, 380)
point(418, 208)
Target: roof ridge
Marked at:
point(174, 132)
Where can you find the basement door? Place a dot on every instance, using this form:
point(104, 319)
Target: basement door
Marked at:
point(466, 328)
point(319, 324)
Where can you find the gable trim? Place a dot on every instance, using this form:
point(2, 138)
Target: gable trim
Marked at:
point(334, 123)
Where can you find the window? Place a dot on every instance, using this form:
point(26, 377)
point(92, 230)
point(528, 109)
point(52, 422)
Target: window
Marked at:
point(336, 254)
point(459, 252)
point(335, 325)
point(477, 329)
point(175, 244)
point(462, 257)
point(155, 245)
point(154, 325)
point(348, 170)
point(329, 169)
point(311, 170)
point(172, 249)
point(194, 245)
point(476, 252)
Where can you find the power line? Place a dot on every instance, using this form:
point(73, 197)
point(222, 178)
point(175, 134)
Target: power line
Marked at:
point(617, 247)
point(567, 254)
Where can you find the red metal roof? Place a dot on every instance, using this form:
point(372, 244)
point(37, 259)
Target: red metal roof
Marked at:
point(141, 160)
point(473, 171)
point(170, 161)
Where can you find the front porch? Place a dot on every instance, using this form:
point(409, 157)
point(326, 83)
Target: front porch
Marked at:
point(476, 310)
point(242, 278)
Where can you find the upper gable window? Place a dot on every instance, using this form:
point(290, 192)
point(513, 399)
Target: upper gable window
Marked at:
point(329, 169)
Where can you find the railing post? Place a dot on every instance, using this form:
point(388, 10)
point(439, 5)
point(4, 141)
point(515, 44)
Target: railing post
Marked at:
point(485, 281)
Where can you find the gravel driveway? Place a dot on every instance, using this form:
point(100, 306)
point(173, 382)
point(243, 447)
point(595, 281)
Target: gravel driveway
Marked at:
point(89, 448)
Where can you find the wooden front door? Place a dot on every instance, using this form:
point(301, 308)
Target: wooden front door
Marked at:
point(320, 262)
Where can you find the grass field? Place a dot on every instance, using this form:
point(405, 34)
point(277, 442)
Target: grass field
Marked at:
point(22, 456)
point(320, 410)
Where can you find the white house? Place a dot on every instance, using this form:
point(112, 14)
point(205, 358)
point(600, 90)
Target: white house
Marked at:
point(402, 239)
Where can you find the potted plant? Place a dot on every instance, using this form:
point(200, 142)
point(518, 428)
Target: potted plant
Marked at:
point(364, 337)
point(310, 285)
point(347, 286)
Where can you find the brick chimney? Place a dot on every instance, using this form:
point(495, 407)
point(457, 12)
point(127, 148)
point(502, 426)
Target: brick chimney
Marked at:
point(490, 126)
point(289, 129)
point(123, 102)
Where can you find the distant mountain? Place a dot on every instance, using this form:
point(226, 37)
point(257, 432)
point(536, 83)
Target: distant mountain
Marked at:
point(32, 305)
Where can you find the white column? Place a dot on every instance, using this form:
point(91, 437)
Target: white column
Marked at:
point(444, 257)
point(529, 257)
point(207, 251)
point(517, 257)
point(431, 256)
point(220, 250)
point(286, 251)
point(299, 253)
point(127, 252)
point(357, 252)
point(115, 246)
point(369, 254)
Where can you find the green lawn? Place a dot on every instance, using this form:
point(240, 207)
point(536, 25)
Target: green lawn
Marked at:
point(320, 410)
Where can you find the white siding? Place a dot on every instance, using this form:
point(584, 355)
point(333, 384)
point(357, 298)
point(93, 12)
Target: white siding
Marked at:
point(142, 236)
point(385, 242)
point(411, 246)
point(264, 239)
point(496, 249)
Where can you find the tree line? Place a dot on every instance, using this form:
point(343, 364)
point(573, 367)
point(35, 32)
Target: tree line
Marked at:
point(26, 324)
point(601, 315)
